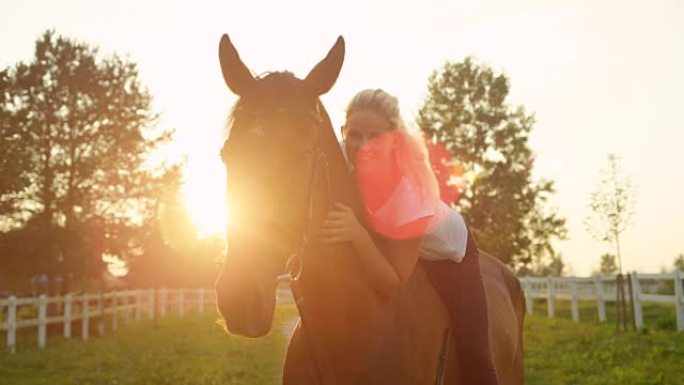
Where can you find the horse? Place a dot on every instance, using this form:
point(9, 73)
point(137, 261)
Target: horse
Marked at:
point(284, 168)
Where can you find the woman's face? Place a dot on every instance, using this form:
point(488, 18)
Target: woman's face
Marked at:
point(361, 127)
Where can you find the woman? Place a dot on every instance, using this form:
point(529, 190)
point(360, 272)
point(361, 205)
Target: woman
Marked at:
point(401, 202)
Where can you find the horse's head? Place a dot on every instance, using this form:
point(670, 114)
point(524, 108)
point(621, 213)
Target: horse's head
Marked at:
point(270, 153)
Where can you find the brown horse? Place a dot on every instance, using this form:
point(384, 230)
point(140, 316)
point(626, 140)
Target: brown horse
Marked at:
point(284, 169)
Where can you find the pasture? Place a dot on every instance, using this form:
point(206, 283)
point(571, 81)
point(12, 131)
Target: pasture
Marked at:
point(193, 349)
point(560, 351)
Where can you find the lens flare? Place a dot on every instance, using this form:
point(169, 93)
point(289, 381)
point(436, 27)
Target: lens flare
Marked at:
point(204, 194)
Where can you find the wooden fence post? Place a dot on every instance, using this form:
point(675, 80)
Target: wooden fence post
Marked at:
point(121, 306)
point(129, 306)
point(638, 315)
point(150, 304)
point(181, 302)
point(42, 314)
point(100, 310)
point(162, 302)
point(67, 315)
point(575, 300)
point(138, 304)
point(12, 324)
point(679, 299)
point(551, 296)
point(125, 296)
point(84, 319)
point(527, 290)
point(600, 298)
point(115, 310)
point(201, 300)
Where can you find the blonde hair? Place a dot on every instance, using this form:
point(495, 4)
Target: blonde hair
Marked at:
point(379, 102)
point(415, 160)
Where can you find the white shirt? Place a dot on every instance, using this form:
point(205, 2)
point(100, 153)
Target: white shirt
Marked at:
point(447, 239)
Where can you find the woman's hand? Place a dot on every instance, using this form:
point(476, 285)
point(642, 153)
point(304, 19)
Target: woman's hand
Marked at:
point(386, 273)
point(341, 225)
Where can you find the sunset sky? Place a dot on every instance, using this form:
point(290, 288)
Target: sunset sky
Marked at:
point(600, 76)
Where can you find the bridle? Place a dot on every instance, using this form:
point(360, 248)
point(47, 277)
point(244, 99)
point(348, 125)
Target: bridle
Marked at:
point(295, 262)
point(319, 174)
point(319, 170)
point(294, 265)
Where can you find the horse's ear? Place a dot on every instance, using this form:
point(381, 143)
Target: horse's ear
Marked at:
point(235, 72)
point(322, 77)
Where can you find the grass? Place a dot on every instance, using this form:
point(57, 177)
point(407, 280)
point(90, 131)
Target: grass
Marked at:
point(194, 350)
point(559, 351)
point(188, 350)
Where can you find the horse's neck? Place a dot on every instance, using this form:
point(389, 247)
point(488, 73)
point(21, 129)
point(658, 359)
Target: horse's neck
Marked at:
point(347, 321)
point(333, 289)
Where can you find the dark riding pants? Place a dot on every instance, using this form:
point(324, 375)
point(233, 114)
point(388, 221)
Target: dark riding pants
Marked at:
point(462, 289)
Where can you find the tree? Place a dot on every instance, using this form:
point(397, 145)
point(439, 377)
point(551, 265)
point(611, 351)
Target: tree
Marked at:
point(556, 266)
point(612, 206)
point(467, 112)
point(13, 154)
point(667, 286)
point(608, 264)
point(679, 263)
point(552, 266)
point(79, 130)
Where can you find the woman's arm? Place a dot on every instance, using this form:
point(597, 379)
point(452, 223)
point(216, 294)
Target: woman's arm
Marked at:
point(388, 266)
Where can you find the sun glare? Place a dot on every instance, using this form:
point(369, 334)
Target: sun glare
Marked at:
point(204, 193)
point(116, 266)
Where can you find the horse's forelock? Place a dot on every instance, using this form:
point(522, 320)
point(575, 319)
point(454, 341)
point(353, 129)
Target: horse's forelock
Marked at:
point(273, 92)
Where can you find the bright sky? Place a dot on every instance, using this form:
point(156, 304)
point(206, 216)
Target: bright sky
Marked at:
point(601, 76)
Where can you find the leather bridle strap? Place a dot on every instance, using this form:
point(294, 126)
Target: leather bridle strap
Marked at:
point(295, 263)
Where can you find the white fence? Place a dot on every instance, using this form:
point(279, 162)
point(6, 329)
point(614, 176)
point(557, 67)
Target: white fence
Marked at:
point(108, 308)
point(132, 305)
point(602, 289)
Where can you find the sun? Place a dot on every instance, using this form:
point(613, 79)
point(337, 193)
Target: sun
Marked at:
point(204, 194)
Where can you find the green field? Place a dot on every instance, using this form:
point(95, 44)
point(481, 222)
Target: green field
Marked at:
point(559, 351)
point(194, 350)
point(181, 351)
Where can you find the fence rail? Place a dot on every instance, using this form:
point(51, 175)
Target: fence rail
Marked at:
point(603, 289)
point(111, 307)
point(133, 305)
